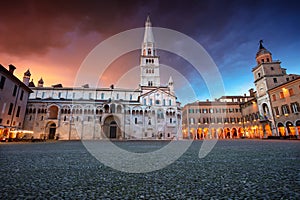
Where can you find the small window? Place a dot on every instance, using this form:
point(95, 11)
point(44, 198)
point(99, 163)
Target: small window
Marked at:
point(102, 95)
point(2, 82)
point(22, 94)
point(281, 95)
point(258, 74)
point(276, 110)
point(295, 107)
point(287, 79)
point(59, 94)
point(135, 120)
point(285, 109)
point(170, 102)
point(275, 80)
point(272, 68)
point(273, 97)
point(291, 91)
point(130, 97)
point(262, 60)
point(15, 90)
point(157, 102)
point(18, 111)
point(11, 105)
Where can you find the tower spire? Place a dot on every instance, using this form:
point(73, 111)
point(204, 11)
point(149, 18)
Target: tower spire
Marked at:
point(149, 62)
point(148, 36)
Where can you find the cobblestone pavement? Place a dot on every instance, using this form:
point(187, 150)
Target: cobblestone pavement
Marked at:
point(235, 169)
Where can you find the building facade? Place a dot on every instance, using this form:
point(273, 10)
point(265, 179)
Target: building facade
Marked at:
point(219, 119)
point(285, 100)
point(271, 110)
point(13, 100)
point(151, 112)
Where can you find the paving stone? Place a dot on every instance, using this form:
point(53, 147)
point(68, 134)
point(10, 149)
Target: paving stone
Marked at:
point(239, 169)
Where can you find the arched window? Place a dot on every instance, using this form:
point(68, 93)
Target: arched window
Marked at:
point(149, 51)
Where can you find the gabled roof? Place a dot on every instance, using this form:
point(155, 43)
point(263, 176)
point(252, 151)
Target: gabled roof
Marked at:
point(156, 90)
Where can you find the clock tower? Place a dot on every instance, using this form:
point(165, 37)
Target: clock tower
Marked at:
point(267, 74)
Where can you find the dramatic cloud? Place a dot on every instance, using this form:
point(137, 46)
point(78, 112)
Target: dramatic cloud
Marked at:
point(58, 34)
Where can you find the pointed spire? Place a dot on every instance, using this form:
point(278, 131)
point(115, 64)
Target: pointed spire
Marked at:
point(148, 36)
point(170, 80)
point(261, 45)
point(41, 81)
point(27, 73)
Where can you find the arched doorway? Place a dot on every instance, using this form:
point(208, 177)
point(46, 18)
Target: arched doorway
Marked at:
point(220, 133)
point(113, 130)
point(52, 130)
point(227, 133)
point(233, 133)
point(266, 112)
point(281, 129)
point(290, 128)
point(111, 127)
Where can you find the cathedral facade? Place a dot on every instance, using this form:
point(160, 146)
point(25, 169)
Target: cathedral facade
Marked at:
point(67, 113)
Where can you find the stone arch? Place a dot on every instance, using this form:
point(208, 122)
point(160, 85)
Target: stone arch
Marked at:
point(240, 132)
point(227, 132)
point(281, 129)
point(51, 130)
point(119, 109)
point(53, 112)
point(290, 128)
point(106, 108)
point(111, 127)
point(220, 133)
point(266, 111)
point(233, 132)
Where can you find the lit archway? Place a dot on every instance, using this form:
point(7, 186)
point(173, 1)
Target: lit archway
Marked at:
point(290, 129)
point(281, 129)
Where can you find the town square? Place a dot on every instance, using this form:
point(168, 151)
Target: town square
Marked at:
point(149, 100)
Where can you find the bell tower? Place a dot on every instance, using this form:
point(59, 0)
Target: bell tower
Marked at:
point(149, 61)
point(267, 74)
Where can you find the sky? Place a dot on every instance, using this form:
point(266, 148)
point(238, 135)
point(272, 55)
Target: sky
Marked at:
point(53, 38)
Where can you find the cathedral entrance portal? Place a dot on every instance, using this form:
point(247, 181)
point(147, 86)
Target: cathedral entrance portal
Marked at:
point(111, 127)
point(113, 130)
point(52, 130)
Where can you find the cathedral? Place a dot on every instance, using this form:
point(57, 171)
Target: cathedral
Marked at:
point(69, 113)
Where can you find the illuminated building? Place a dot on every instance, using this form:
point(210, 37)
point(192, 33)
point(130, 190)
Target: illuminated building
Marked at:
point(273, 110)
point(285, 99)
point(13, 100)
point(150, 112)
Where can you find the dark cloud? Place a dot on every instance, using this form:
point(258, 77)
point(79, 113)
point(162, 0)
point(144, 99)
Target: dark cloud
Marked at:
point(33, 27)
